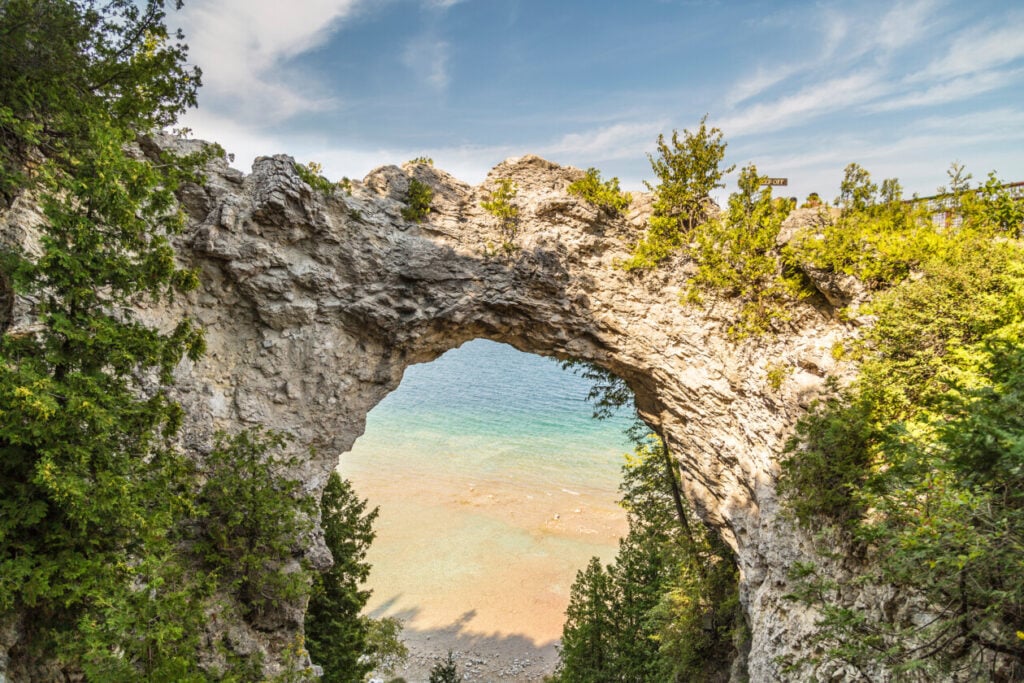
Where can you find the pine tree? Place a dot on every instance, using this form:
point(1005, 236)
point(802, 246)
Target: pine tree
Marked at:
point(588, 636)
point(90, 488)
point(446, 671)
point(337, 635)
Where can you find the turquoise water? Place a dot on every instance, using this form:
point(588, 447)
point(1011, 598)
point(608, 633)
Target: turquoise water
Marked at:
point(495, 485)
point(488, 410)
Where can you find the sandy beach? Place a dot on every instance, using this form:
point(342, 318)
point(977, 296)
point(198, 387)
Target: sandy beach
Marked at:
point(482, 568)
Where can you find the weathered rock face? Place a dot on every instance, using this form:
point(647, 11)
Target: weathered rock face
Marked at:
point(314, 306)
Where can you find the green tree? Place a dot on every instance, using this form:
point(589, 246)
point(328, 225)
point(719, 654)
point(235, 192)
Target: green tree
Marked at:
point(90, 485)
point(856, 191)
point(337, 635)
point(918, 461)
point(68, 66)
point(252, 515)
point(588, 636)
point(446, 671)
point(688, 171)
point(668, 607)
point(499, 204)
point(737, 257)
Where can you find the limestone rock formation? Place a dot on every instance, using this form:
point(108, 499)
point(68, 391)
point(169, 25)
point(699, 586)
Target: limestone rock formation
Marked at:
point(314, 306)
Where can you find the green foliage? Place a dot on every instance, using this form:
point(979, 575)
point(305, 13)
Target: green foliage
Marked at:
point(878, 239)
point(310, 174)
point(813, 201)
point(919, 460)
point(992, 208)
point(69, 66)
point(688, 171)
point(384, 647)
point(588, 636)
point(345, 643)
point(608, 393)
point(856, 191)
point(115, 553)
point(736, 257)
point(776, 375)
point(156, 623)
point(422, 160)
point(499, 204)
point(668, 608)
point(420, 196)
point(446, 671)
point(605, 195)
point(91, 489)
point(253, 514)
point(835, 443)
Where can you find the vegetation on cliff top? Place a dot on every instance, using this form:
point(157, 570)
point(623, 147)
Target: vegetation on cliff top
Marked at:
point(917, 464)
point(604, 194)
point(919, 461)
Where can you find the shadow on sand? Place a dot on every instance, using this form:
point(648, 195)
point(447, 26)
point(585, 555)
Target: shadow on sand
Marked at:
point(480, 656)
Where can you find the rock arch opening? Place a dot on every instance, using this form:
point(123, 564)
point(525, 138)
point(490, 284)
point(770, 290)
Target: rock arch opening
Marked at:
point(495, 486)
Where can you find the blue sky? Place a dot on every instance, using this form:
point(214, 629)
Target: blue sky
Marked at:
point(799, 88)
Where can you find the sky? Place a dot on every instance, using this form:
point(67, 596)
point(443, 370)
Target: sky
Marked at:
point(800, 89)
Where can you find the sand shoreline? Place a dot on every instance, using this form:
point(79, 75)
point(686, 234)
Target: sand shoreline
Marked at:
point(482, 568)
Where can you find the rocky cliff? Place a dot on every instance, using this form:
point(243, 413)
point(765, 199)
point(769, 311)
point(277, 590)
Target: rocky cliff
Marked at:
point(315, 304)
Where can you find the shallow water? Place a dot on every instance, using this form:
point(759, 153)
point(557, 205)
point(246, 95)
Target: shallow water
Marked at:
point(495, 486)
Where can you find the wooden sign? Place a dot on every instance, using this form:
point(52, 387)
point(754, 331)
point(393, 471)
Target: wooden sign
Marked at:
point(775, 182)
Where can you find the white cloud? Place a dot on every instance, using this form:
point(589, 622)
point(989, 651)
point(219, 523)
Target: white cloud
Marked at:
point(811, 101)
point(245, 143)
point(905, 24)
point(981, 48)
point(996, 123)
point(758, 83)
point(918, 155)
point(834, 28)
point(618, 141)
point(428, 58)
point(241, 46)
point(955, 90)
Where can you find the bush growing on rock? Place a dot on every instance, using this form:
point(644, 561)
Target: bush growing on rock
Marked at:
point(499, 204)
point(418, 202)
point(688, 171)
point(605, 195)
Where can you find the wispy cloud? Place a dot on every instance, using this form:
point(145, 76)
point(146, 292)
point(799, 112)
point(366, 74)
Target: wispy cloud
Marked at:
point(834, 28)
point(906, 24)
point(428, 58)
point(955, 90)
point(618, 141)
point(981, 48)
point(762, 80)
point(242, 45)
point(918, 154)
point(810, 102)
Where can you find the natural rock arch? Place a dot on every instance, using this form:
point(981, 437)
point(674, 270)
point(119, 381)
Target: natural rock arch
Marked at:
point(314, 305)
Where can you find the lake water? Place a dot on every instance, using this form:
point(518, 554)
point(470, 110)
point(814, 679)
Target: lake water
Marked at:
point(495, 485)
